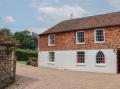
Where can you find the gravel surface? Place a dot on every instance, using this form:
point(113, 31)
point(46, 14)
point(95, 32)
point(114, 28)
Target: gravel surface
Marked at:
point(29, 77)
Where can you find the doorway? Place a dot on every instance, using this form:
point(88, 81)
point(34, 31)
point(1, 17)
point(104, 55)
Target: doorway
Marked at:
point(118, 61)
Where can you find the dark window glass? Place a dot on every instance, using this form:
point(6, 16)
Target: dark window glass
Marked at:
point(80, 57)
point(52, 39)
point(51, 56)
point(80, 37)
point(99, 35)
point(100, 58)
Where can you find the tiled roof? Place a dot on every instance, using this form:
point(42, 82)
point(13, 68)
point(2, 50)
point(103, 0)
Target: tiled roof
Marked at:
point(103, 20)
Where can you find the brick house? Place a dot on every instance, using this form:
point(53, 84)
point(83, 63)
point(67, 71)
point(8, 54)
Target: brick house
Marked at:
point(85, 44)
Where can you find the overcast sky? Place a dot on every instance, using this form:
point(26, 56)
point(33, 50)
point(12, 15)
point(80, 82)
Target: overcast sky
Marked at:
point(39, 15)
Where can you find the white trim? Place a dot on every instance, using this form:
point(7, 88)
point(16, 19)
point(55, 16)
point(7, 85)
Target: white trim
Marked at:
point(51, 44)
point(80, 43)
point(51, 63)
point(100, 64)
point(77, 39)
point(38, 43)
point(49, 40)
point(80, 64)
point(95, 35)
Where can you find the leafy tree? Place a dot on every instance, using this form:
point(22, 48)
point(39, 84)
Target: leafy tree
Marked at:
point(6, 31)
point(26, 39)
point(6, 34)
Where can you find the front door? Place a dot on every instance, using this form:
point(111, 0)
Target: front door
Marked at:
point(118, 61)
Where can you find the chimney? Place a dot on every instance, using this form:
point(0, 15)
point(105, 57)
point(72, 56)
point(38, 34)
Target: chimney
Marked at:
point(71, 16)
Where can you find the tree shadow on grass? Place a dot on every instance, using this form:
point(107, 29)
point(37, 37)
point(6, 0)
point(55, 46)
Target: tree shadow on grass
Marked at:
point(21, 82)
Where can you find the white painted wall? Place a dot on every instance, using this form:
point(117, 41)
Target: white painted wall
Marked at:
point(68, 60)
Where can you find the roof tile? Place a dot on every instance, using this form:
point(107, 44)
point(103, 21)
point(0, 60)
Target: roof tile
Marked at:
point(110, 19)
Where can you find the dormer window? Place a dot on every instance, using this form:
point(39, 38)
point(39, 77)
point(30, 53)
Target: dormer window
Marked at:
point(51, 40)
point(99, 36)
point(80, 37)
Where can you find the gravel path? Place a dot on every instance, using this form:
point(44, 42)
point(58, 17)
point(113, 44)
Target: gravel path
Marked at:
point(29, 77)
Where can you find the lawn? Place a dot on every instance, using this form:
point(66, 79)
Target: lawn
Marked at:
point(21, 62)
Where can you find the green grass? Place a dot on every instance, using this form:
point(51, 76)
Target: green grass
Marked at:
point(21, 62)
point(26, 50)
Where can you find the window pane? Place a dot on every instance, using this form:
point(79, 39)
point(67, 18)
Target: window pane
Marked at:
point(80, 57)
point(100, 58)
point(99, 35)
point(80, 37)
point(51, 56)
point(52, 39)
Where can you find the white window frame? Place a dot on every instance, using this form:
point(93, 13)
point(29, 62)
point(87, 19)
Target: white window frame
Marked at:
point(77, 38)
point(95, 35)
point(51, 62)
point(79, 63)
point(100, 64)
point(49, 44)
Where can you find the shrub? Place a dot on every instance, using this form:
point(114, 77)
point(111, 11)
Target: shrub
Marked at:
point(32, 62)
point(29, 62)
point(24, 56)
point(33, 58)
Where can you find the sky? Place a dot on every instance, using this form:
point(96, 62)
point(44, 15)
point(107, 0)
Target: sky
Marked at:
point(40, 15)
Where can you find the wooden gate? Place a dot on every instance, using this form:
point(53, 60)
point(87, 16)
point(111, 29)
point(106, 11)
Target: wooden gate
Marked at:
point(7, 69)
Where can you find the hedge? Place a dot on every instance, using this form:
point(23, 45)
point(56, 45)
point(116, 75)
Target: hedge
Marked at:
point(24, 56)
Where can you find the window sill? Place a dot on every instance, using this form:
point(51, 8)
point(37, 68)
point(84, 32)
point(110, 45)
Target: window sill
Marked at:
point(100, 65)
point(81, 43)
point(51, 45)
point(99, 42)
point(80, 64)
point(51, 63)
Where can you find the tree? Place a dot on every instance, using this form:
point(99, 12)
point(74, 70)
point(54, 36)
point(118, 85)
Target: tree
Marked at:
point(23, 39)
point(6, 34)
point(6, 31)
point(26, 39)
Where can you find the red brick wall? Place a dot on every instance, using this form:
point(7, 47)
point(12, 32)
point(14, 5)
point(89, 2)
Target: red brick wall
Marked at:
point(66, 40)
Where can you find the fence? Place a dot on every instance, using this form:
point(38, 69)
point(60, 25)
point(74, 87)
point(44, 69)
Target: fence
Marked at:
point(7, 69)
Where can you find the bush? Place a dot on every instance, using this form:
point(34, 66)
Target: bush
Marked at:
point(24, 56)
point(29, 62)
point(33, 58)
point(32, 61)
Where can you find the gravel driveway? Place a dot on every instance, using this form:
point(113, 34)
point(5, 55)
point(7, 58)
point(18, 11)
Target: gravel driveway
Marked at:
point(29, 77)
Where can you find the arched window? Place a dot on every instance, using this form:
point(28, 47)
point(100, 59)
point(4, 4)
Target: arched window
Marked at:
point(100, 58)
